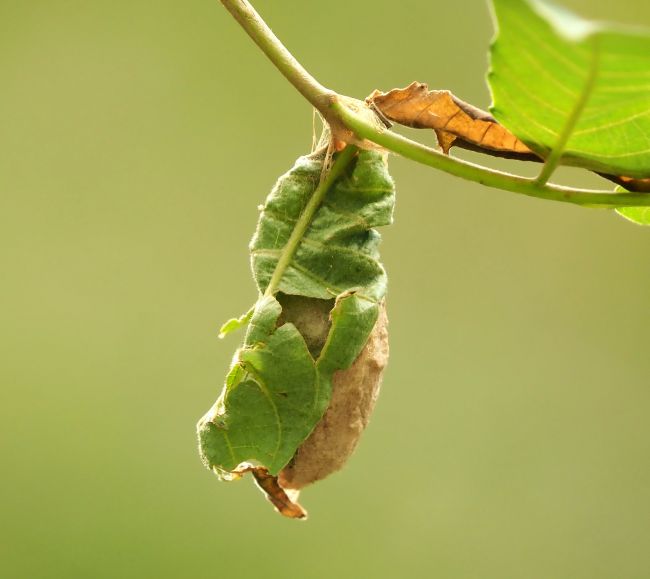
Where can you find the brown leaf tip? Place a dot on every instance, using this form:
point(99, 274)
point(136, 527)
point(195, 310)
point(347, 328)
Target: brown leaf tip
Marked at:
point(284, 504)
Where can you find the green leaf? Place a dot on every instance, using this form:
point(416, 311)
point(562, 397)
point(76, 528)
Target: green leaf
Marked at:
point(550, 69)
point(270, 402)
point(353, 318)
point(276, 390)
point(235, 323)
point(638, 215)
point(339, 252)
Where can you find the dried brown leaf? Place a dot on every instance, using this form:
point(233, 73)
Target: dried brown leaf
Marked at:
point(457, 123)
point(284, 502)
point(629, 183)
point(454, 121)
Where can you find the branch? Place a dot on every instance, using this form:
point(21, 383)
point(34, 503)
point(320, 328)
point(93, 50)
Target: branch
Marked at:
point(489, 177)
point(344, 111)
point(283, 60)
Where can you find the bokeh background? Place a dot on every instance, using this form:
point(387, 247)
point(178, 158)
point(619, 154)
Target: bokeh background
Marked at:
point(512, 437)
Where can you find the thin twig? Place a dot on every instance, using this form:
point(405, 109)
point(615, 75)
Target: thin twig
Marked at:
point(335, 110)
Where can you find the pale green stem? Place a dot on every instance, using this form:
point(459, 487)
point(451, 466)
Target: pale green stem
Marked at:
point(513, 183)
point(330, 105)
point(553, 159)
point(341, 161)
point(278, 54)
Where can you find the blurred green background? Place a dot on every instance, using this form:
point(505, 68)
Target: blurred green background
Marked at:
point(512, 437)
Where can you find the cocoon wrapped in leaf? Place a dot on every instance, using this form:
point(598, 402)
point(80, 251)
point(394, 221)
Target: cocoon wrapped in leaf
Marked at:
point(354, 393)
point(301, 387)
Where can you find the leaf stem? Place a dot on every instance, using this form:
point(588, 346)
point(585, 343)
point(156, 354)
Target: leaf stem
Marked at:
point(335, 110)
point(490, 177)
point(341, 161)
point(283, 60)
point(553, 159)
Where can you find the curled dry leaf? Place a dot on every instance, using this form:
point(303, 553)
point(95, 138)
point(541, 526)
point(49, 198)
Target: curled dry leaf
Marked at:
point(629, 183)
point(454, 121)
point(284, 502)
point(457, 123)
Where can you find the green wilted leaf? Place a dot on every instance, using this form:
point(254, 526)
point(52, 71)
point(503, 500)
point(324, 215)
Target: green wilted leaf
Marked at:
point(277, 389)
point(272, 397)
point(339, 253)
point(545, 60)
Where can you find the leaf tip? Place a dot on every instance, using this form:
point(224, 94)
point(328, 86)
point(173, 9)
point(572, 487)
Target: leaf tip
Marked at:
point(637, 215)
